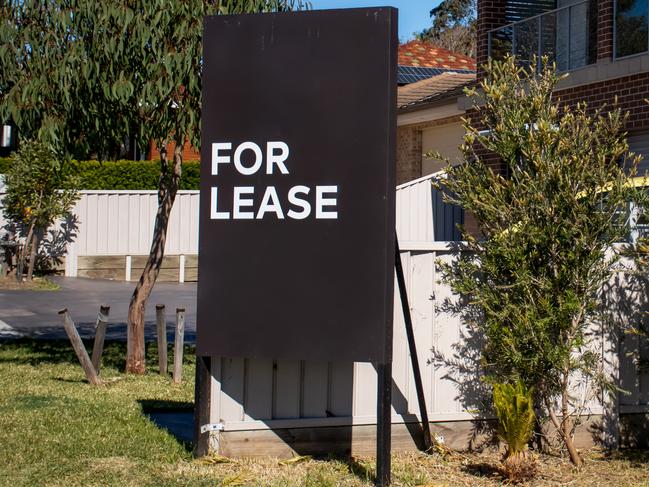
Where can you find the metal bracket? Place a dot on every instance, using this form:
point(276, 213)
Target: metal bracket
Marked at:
point(212, 427)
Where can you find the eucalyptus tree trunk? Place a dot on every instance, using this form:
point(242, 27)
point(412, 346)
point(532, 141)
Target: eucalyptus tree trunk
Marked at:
point(167, 189)
point(23, 252)
point(33, 252)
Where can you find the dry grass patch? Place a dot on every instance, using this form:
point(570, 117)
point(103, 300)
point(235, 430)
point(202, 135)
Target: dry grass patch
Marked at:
point(629, 468)
point(37, 284)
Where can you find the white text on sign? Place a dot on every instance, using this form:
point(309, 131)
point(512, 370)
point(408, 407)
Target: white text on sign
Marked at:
point(248, 158)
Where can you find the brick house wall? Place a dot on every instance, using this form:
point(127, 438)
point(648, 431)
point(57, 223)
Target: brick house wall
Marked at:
point(604, 29)
point(189, 153)
point(410, 148)
point(631, 90)
point(409, 152)
point(491, 15)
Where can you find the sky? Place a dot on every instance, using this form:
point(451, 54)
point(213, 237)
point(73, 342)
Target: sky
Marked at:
point(414, 15)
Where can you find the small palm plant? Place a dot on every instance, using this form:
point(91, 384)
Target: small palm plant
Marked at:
point(514, 408)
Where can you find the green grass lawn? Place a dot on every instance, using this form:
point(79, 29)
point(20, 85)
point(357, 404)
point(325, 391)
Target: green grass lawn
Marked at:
point(56, 429)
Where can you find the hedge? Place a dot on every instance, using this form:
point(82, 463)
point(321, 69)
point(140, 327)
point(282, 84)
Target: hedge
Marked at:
point(135, 175)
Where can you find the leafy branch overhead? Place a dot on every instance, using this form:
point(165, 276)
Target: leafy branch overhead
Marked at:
point(87, 77)
point(84, 75)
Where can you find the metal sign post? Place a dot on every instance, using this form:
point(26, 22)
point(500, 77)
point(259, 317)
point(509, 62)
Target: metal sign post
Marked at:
point(414, 359)
point(384, 424)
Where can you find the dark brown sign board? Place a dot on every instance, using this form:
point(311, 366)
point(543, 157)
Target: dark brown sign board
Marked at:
point(296, 252)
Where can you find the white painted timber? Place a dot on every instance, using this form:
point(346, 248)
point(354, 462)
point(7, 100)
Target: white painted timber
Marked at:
point(120, 223)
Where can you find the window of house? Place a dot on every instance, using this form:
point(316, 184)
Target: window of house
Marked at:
point(638, 219)
point(631, 27)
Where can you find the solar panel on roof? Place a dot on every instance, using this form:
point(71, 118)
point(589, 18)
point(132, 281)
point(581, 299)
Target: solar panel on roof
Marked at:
point(412, 74)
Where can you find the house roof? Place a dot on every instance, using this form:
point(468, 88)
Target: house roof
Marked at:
point(428, 55)
point(441, 87)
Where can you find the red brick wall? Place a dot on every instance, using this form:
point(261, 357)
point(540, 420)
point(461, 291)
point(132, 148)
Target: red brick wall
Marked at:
point(491, 14)
point(604, 29)
point(409, 152)
point(631, 93)
point(189, 153)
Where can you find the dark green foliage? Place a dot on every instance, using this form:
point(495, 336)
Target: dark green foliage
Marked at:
point(134, 175)
point(453, 26)
point(85, 76)
point(532, 279)
point(38, 190)
point(546, 229)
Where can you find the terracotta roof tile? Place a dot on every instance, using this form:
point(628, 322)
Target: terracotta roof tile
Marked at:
point(426, 54)
point(445, 85)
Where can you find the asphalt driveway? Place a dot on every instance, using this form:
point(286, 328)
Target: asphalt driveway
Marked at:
point(35, 313)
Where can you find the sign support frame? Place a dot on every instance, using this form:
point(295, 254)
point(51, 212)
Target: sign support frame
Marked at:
point(412, 346)
point(384, 424)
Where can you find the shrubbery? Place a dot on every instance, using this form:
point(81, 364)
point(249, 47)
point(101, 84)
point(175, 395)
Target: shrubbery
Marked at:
point(536, 281)
point(134, 175)
point(38, 193)
point(514, 408)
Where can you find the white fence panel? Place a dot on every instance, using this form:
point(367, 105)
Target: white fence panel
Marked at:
point(121, 223)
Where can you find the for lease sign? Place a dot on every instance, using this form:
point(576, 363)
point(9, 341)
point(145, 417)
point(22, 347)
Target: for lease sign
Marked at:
point(296, 249)
point(248, 206)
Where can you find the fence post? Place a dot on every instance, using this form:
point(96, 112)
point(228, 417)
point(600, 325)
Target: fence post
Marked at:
point(181, 269)
point(100, 335)
point(127, 271)
point(78, 346)
point(178, 345)
point(161, 327)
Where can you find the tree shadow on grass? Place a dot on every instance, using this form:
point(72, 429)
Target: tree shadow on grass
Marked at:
point(638, 458)
point(360, 470)
point(26, 351)
point(29, 351)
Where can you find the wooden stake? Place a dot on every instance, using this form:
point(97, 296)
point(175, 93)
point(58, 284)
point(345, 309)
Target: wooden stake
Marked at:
point(161, 328)
point(79, 348)
point(100, 335)
point(178, 345)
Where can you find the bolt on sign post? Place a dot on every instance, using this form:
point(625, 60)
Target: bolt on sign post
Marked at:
point(298, 192)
